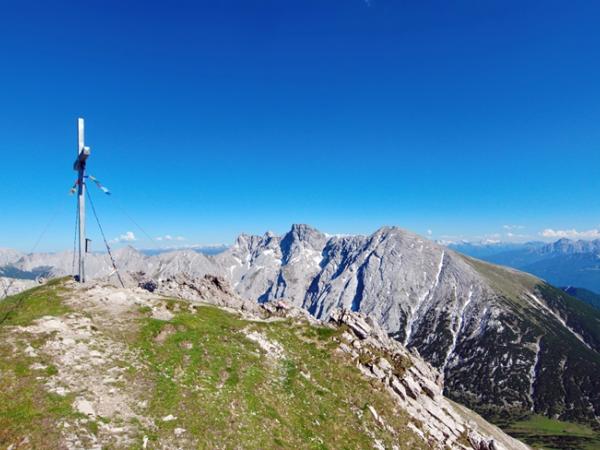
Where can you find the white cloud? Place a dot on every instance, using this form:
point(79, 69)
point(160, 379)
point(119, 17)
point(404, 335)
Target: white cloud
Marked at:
point(572, 234)
point(513, 227)
point(168, 237)
point(127, 237)
point(491, 241)
point(429, 232)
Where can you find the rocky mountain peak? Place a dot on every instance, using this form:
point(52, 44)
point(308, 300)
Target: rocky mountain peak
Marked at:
point(388, 230)
point(249, 243)
point(569, 246)
point(305, 233)
point(302, 241)
point(128, 252)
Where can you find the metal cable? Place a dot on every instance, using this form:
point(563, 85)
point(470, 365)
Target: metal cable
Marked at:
point(11, 282)
point(35, 245)
point(150, 238)
point(87, 191)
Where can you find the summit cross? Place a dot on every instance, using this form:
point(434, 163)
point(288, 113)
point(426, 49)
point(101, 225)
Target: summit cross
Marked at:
point(83, 152)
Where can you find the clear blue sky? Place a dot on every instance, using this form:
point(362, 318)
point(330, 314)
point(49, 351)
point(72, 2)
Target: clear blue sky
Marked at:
point(207, 119)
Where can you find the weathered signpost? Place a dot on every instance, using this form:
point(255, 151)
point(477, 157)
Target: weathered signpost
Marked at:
point(82, 155)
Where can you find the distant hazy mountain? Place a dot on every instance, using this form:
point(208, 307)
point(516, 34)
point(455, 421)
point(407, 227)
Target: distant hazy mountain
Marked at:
point(484, 250)
point(34, 265)
point(204, 249)
point(9, 256)
point(562, 263)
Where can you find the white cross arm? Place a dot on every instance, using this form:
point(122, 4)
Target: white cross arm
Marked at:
point(82, 151)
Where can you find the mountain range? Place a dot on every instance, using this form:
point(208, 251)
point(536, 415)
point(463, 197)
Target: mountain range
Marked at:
point(204, 249)
point(565, 262)
point(508, 343)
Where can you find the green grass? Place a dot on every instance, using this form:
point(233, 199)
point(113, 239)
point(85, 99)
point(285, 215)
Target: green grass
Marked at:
point(507, 281)
point(224, 390)
point(26, 409)
point(27, 306)
point(542, 432)
point(200, 367)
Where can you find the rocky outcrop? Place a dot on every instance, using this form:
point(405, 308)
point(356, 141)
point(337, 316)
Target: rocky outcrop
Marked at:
point(416, 385)
point(209, 289)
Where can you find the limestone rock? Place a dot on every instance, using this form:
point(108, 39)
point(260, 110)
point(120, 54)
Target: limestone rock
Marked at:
point(417, 389)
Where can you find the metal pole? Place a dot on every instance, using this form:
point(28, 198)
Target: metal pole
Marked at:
point(81, 198)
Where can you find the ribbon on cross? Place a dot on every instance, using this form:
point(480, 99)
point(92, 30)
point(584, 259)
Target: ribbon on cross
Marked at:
point(74, 188)
point(97, 182)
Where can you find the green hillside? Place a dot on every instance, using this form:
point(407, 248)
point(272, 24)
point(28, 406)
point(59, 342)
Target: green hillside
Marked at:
point(200, 379)
point(585, 295)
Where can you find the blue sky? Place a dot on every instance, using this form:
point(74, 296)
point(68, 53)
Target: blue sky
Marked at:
point(206, 119)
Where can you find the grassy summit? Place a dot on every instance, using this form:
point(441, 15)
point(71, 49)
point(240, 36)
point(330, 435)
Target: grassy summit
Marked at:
point(27, 411)
point(74, 371)
point(226, 388)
